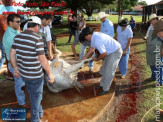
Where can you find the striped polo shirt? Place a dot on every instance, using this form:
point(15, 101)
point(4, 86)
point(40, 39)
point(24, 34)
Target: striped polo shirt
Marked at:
point(29, 46)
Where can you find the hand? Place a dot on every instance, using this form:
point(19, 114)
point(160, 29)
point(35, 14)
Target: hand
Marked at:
point(16, 73)
point(50, 56)
point(51, 78)
point(94, 59)
point(124, 53)
point(76, 58)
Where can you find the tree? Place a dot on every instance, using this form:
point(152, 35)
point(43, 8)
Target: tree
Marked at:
point(127, 4)
point(90, 5)
point(142, 3)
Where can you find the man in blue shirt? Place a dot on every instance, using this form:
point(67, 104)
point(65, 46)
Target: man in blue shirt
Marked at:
point(124, 37)
point(107, 26)
point(13, 21)
point(110, 53)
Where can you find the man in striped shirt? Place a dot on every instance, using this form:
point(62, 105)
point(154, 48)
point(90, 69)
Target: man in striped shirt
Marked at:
point(29, 50)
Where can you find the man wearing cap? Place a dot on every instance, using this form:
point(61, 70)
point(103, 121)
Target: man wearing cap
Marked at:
point(29, 50)
point(107, 26)
point(124, 37)
point(45, 33)
point(153, 18)
point(153, 49)
point(13, 22)
point(110, 53)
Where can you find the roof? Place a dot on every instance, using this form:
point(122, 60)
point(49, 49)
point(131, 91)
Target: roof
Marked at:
point(158, 3)
point(138, 8)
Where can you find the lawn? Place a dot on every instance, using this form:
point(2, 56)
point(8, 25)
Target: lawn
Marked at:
point(113, 18)
point(62, 46)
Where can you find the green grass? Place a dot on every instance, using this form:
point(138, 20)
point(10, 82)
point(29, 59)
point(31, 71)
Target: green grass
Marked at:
point(60, 30)
point(148, 88)
point(113, 18)
point(2, 77)
point(62, 46)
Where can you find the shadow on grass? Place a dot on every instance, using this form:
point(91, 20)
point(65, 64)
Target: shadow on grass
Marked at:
point(134, 87)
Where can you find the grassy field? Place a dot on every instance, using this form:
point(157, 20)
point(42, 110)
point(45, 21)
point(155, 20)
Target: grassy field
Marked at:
point(62, 46)
point(113, 18)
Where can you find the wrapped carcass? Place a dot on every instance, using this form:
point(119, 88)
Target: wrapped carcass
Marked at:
point(65, 74)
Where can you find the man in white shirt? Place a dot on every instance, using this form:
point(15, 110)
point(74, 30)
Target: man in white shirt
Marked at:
point(110, 53)
point(124, 37)
point(45, 33)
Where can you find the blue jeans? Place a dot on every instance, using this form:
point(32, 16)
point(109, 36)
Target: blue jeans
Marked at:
point(18, 85)
point(123, 63)
point(82, 52)
point(2, 60)
point(157, 74)
point(35, 90)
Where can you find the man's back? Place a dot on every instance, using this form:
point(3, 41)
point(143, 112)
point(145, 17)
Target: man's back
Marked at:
point(28, 46)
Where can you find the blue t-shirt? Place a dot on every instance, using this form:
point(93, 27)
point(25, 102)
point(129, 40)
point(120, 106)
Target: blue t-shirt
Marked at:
point(107, 27)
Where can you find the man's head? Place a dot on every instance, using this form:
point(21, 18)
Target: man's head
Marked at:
point(102, 16)
point(46, 19)
point(158, 28)
point(13, 21)
point(153, 18)
point(34, 24)
point(124, 23)
point(74, 18)
point(86, 34)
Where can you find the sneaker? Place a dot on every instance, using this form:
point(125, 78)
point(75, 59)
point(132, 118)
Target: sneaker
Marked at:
point(103, 92)
point(43, 120)
point(123, 76)
point(67, 42)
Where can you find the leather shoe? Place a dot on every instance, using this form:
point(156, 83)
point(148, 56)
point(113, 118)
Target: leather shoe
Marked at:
point(103, 92)
point(98, 87)
point(24, 106)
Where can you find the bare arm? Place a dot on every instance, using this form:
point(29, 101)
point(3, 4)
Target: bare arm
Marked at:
point(14, 62)
point(84, 23)
point(49, 46)
point(45, 65)
point(128, 45)
point(115, 37)
point(102, 56)
point(89, 53)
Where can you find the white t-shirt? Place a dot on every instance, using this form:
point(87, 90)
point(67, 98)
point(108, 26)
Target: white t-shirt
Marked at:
point(123, 36)
point(46, 30)
point(150, 28)
point(104, 43)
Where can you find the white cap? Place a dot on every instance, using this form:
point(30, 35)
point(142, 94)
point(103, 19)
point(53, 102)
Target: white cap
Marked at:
point(102, 15)
point(35, 19)
point(152, 16)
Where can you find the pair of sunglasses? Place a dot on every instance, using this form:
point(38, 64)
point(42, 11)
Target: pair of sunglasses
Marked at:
point(17, 21)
